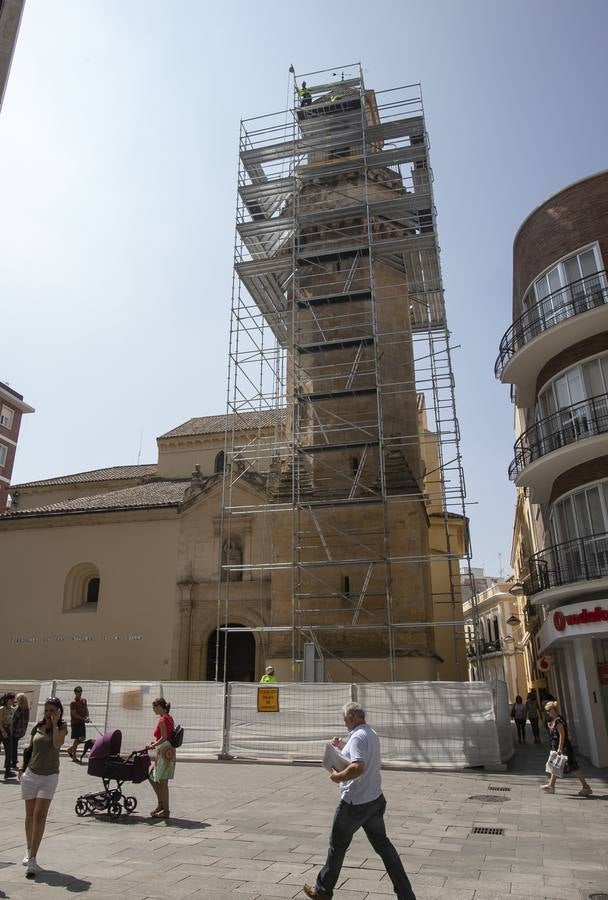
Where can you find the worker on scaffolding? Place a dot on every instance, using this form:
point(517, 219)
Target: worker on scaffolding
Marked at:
point(268, 677)
point(304, 94)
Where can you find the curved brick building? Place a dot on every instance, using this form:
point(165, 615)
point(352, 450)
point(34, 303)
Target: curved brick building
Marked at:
point(555, 357)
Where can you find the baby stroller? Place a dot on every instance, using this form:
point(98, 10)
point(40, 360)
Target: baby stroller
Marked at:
point(106, 763)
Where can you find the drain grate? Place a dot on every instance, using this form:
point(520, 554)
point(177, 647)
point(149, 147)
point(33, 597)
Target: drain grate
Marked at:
point(496, 788)
point(481, 829)
point(598, 896)
point(488, 798)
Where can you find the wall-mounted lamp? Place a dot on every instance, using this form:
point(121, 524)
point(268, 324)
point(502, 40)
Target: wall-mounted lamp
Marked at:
point(517, 589)
point(513, 620)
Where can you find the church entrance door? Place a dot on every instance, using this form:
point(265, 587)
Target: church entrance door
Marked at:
point(240, 659)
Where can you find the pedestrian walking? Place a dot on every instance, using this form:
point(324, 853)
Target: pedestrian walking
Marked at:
point(560, 741)
point(21, 719)
point(6, 730)
point(163, 767)
point(39, 777)
point(519, 713)
point(361, 805)
point(532, 712)
point(79, 716)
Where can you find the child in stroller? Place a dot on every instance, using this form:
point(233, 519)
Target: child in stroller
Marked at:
point(105, 762)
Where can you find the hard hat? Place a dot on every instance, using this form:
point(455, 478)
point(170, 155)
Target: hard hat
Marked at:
point(269, 670)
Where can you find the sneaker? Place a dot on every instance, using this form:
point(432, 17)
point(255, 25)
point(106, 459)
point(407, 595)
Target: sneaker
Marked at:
point(585, 792)
point(548, 788)
point(32, 868)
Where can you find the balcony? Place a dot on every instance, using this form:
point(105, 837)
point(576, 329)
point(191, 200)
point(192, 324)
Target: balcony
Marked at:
point(575, 312)
point(569, 437)
point(572, 569)
point(485, 647)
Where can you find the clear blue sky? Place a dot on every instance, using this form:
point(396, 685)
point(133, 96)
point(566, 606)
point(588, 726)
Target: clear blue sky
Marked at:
point(118, 164)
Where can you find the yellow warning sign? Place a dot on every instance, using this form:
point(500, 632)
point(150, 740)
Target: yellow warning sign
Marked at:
point(268, 699)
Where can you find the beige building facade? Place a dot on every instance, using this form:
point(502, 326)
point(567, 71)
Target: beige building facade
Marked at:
point(115, 574)
point(555, 358)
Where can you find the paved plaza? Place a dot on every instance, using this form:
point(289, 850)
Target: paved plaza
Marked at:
point(260, 831)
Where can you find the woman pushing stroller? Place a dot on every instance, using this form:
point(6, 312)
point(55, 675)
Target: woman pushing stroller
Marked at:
point(163, 767)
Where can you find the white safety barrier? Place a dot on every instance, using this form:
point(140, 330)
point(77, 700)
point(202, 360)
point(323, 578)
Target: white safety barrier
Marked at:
point(309, 714)
point(502, 712)
point(427, 724)
point(433, 723)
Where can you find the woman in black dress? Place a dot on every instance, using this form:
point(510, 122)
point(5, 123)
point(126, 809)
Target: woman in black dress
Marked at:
point(558, 733)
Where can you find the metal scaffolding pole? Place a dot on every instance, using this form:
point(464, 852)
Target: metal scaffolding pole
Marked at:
point(341, 419)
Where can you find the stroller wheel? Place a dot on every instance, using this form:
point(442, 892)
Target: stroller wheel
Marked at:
point(130, 804)
point(114, 810)
point(82, 807)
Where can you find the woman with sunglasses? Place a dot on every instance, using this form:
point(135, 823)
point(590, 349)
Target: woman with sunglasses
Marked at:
point(39, 777)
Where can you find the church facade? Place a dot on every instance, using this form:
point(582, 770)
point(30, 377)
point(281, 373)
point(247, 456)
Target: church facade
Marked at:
point(117, 574)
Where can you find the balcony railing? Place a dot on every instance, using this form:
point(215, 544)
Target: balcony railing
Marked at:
point(484, 647)
point(583, 559)
point(578, 297)
point(566, 426)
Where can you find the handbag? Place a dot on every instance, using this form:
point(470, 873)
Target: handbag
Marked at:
point(27, 753)
point(556, 763)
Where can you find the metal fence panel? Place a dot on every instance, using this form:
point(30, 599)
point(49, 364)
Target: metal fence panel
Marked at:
point(433, 723)
point(199, 708)
point(309, 715)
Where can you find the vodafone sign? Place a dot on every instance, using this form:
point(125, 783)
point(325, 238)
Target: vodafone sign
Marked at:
point(573, 621)
point(563, 620)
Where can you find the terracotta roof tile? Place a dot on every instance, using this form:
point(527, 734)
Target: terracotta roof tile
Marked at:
point(217, 424)
point(113, 473)
point(142, 496)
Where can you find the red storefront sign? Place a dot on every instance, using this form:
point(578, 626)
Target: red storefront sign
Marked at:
point(584, 617)
point(602, 671)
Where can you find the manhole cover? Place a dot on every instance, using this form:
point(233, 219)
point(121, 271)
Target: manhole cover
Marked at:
point(487, 798)
point(495, 788)
point(480, 829)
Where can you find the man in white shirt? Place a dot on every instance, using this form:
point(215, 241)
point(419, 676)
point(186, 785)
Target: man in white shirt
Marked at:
point(362, 805)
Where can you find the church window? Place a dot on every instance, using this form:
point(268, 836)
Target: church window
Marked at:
point(220, 463)
point(81, 589)
point(3, 454)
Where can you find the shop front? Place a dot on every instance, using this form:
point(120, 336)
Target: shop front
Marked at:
point(574, 638)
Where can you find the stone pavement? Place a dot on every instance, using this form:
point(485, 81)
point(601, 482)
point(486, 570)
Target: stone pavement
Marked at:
point(260, 831)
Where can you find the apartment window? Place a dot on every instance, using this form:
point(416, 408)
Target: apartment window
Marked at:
point(346, 585)
point(3, 454)
point(6, 417)
point(547, 289)
point(81, 589)
point(579, 526)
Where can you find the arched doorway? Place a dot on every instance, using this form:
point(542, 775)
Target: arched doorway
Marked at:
point(240, 665)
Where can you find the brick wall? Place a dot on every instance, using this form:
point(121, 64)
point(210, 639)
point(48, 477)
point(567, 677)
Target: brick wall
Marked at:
point(586, 473)
point(576, 216)
point(569, 357)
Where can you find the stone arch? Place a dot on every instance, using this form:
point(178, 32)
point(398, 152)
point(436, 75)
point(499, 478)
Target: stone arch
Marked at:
point(82, 586)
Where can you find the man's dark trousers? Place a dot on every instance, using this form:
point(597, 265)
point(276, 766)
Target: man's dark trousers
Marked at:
point(348, 819)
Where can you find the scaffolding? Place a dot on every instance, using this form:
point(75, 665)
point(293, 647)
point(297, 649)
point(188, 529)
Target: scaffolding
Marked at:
point(342, 440)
